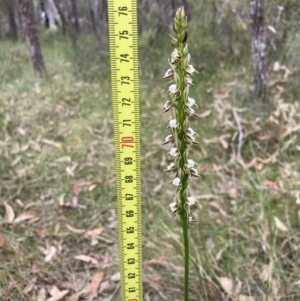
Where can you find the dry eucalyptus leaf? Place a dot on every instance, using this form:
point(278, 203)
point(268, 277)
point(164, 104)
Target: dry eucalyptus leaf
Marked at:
point(280, 225)
point(76, 188)
point(64, 159)
point(276, 66)
point(20, 203)
point(50, 253)
point(25, 216)
point(227, 284)
point(223, 142)
point(250, 164)
point(31, 204)
point(205, 114)
point(115, 277)
point(41, 295)
point(58, 296)
point(106, 287)
point(9, 213)
point(74, 201)
point(95, 283)
point(246, 298)
point(232, 192)
point(87, 258)
point(53, 290)
point(237, 286)
point(72, 229)
point(70, 171)
point(56, 229)
point(265, 274)
point(52, 143)
point(21, 131)
point(95, 232)
point(16, 161)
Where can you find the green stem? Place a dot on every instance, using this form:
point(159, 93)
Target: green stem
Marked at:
point(183, 175)
point(184, 225)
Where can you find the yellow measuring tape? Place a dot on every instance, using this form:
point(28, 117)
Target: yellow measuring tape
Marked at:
point(123, 36)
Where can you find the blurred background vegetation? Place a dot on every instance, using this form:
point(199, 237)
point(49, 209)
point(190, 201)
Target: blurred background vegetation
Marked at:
point(58, 235)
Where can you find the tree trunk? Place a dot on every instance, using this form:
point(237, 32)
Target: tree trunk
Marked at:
point(92, 14)
point(258, 48)
point(62, 17)
point(21, 22)
point(75, 16)
point(105, 11)
point(13, 30)
point(65, 24)
point(174, 6)
point(52, 14)
point(34, 44)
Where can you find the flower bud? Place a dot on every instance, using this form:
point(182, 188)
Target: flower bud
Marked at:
point(194, 172)
point(173, 124)
point(169, 74)
point(167, 106)
point(174, 152)
point(176, 182)
point(183, 38)
point(191, 220)
point(190, 70)
point(175, 57)
point(191, 201)
point(173, 89)
point(190, 163)
point(169, 139)
point(171, 167)
point(174, 207)
point(190, 102)
point(174, 42)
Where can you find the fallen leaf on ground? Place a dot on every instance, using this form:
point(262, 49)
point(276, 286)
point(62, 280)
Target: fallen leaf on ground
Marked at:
point(24, 216)
point(58, 296)
point(69, 171)
point(63, 159)
point(72, 229)
point(246, 298)
point(74, 201)
point(87, 258)
point(21, 131)
point(53, 290)
point(50, 253)
point(250, 164)
point(95, 283)
point(232, 192)
point(280, 225)
point(95, 232)
point(52, 143)
point(204, 114)
point(223, 142)
point(265, 273)
point(227, 284)
point(115, 277)
point(41, 295)
point(276, 65)
point(76, 188)
point(9, 213)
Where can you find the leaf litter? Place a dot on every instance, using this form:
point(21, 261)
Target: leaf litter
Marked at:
point(50, 160)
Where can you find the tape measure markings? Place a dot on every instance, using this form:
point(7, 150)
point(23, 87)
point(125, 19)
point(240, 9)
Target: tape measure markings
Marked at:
point(125, 94)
